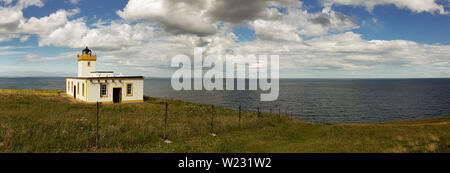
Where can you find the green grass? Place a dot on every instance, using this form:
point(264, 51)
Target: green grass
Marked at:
point(44, 121)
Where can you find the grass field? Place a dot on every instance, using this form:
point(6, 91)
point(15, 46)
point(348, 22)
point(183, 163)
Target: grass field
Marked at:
point(44, 121)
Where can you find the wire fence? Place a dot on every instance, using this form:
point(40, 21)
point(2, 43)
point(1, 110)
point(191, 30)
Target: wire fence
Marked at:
point(260, 117)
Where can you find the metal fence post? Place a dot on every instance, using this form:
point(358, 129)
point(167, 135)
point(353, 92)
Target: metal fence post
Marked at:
point(279, 113)
point(259, 115)
point(212, 119)
point(239, 116)
point(165, 123)
point(97, 139)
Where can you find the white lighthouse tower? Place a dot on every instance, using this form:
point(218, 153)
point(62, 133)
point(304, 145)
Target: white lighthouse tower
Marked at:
point(86, 63)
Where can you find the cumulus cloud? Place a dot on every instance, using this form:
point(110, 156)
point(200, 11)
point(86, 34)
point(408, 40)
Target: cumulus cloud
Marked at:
point(348, 51)
point(115, 35)
point(298, 22)
point(8, 37)
point(151, 32)
point(237, 11)
point(200, 17)
point(68, 35)
point(14, 25)
point(418, 6)
point(276, 31)
point(177, 17)
point(10, 19)
point(47, 23)
point(344, 51)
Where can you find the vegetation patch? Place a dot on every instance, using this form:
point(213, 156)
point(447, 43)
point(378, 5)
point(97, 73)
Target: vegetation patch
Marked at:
point(47, 121)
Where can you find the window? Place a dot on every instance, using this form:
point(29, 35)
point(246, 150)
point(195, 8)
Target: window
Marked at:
point(71, 86)
point(89, 63)
point(78, 88)
point(129, 89)
point(103, 90)
point(82, 89)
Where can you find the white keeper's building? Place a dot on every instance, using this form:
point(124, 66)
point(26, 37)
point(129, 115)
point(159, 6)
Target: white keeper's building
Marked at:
point(93, 86)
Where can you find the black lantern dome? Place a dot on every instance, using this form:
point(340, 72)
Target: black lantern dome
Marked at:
point(87, 51)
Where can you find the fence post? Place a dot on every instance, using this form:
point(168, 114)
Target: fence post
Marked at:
point(96, 132)
point(279, 113)
point(259, 115)
point(239, 116)
point(165, 123)
point(212, 120)
point(270, 115)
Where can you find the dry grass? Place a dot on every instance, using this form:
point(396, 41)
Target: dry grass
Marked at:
point(43, 121)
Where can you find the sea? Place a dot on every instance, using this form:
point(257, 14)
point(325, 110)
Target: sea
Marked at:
point(313, 100)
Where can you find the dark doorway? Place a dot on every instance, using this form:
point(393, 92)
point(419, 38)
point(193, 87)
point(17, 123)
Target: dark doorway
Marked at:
point(117, 95)
point(74, 92)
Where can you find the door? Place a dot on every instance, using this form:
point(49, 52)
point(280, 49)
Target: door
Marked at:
point(74, 92)
point(117, 95)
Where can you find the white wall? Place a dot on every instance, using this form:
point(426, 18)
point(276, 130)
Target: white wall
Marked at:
point(84, 70)
point(94, 90)
point(79, 85)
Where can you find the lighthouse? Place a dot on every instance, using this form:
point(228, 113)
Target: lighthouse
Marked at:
point(92, 86)
point(86, 63)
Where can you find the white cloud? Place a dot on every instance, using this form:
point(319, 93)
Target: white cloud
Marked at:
point(417, 6)
point(299, 22)
point(47, 23)
point(27, 3)
point(21, 4)
point(24, 38)
point(67, 36)
point(8, 37)
point(304, 40)
point(31, 57)
point(177, 17)
point(74, 1)
point(275, 30)
point(200, 17)
point(115, 35)
point(12, 50)
point(10, 19)
point(14, 25)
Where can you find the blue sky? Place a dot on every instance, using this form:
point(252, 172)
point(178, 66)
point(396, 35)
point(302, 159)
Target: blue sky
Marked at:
point(143, 34)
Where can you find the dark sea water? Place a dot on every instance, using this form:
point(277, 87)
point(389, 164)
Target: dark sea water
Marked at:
point(316, 100)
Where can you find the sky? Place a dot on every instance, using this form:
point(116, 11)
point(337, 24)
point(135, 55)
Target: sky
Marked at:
point(314, 39)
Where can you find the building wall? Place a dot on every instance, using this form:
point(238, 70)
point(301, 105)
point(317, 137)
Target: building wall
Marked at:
point(94, 90)
point(70, 83)
point(84, 70)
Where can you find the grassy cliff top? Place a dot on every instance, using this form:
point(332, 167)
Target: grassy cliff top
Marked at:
point(45, 121)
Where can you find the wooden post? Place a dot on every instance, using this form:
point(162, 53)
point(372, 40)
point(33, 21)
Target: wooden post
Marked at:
point(212, 119)
point(271, 117)
point(279, 113)
point(96, 136)
point(259, 114)
point(239, 116)
point(165, 122)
